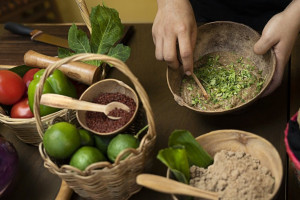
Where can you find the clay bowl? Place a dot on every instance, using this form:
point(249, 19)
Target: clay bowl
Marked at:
point(224, 37)
point(236, 140)
point(106, 86)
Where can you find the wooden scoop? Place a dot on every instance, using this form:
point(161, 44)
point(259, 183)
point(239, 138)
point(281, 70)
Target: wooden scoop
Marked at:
point(60, 101)
point(170, 186)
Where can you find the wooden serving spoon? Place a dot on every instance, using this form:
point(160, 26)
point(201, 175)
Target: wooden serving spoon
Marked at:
point(170, 186)
point(60, 101)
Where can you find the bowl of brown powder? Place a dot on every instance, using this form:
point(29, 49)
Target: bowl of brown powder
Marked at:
point(104, 92)
point(226, 65)
point(246, 166)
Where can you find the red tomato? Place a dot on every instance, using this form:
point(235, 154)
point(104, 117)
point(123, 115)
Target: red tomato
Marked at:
point(12, 87)
point(21, 109)
point(28, 76)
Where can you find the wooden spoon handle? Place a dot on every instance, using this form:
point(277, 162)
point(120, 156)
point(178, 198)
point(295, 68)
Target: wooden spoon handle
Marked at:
point(61, 101)
point(78, 71)
point(64, 192)
point(200, 85)
point(166, 185)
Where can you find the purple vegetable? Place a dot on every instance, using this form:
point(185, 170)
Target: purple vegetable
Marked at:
point(8, 163)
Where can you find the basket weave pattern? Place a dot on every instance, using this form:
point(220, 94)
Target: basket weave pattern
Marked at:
point(103, 180)
point(25, 129)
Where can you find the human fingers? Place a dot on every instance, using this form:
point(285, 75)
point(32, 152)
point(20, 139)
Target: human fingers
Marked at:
point(266, 42)
point(276, 81)
point(170, 52)
point(159, 49)
point(186, 52)
point(282, 53)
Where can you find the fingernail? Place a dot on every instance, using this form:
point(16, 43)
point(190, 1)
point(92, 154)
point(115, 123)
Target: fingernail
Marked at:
point(188, 73)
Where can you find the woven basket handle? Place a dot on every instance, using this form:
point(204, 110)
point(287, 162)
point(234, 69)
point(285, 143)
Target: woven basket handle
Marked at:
point(121, 66)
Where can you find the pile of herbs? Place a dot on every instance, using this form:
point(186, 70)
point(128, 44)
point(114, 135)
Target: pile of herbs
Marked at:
point(183, 152)
point(226, 84)
point(107, 29)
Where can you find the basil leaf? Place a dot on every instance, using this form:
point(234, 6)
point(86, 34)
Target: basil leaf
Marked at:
point(195, 153)
point(176, 159)
point(120, 52)
point(107, 28)
point(78, 40)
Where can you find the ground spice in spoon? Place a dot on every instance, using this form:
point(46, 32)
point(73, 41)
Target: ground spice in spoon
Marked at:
point(99, 122)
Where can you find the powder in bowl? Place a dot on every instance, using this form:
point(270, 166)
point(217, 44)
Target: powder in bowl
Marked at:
point(234, 175)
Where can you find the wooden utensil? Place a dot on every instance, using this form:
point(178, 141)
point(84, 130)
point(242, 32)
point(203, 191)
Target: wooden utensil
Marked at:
point(64, 192)
point(200, 85)
point(170, 186)
point(60, 101)
point(78, 71)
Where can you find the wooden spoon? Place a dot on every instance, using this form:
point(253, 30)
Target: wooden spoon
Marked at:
point(170, 186)
point(200, 86)
point(60, 101)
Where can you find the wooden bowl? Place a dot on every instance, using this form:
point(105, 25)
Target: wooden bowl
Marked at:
point(106, 86)
point(236, 140)
point(224, 37)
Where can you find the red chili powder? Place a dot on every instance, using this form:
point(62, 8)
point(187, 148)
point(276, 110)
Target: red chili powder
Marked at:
point(99, 122)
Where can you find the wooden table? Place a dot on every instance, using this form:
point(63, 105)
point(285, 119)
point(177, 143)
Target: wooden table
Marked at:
point(267, 117)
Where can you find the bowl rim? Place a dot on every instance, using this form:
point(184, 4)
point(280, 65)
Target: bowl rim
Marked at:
point(290, 153)
point(242, 105)
point(168, 174)
point(122, 84)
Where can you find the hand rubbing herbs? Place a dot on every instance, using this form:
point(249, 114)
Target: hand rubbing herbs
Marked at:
point(107, 29)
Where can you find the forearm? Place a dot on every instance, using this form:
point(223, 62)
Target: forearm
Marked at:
point(162, 3)
point(292, 14)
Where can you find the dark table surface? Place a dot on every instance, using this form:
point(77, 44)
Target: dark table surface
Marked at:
point(267, 117)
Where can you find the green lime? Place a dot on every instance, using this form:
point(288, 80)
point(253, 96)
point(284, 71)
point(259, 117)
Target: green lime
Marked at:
point(85, 156)
point(61, 140)
point(101, 142)
point(86, 137)
point(120, 143)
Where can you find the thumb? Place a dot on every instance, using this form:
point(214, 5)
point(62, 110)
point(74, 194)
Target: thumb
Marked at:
point(263, 44)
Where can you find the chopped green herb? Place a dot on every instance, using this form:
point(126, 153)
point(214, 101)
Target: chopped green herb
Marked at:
point(225, 83)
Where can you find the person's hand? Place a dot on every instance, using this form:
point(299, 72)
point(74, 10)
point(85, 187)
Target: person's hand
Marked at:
point(174, 22)
point(280, 33)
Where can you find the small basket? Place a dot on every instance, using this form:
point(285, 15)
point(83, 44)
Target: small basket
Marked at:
point(25, 129)
point(295, 162)
point(103, 180)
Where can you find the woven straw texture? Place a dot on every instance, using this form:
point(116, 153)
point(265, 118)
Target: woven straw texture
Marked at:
point(25, 129)
point(104, 180)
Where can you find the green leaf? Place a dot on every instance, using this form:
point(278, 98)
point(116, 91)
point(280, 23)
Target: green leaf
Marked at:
point(176, 159)
point(21, 70)
point(120, 52)
point(195, 153)
point(107, 29)
point(62, 52)
point(78, 40)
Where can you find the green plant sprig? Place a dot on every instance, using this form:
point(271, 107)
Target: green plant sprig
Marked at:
point(107, 29)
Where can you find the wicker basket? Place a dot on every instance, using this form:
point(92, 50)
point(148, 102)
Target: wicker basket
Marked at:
point(104, 180)
point(25, 129)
